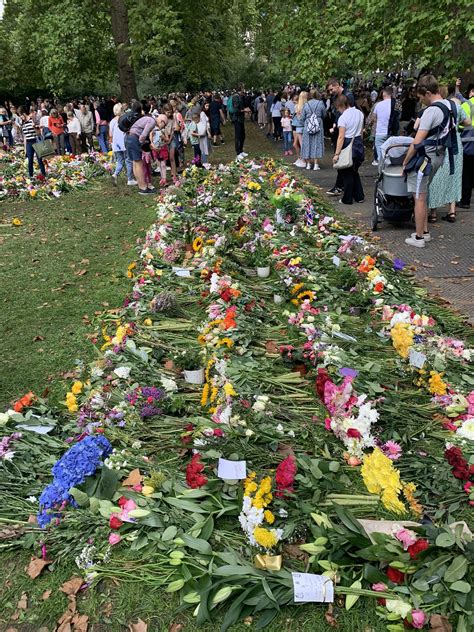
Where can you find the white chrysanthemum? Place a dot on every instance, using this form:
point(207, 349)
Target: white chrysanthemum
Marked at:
point(123, 372)
point(466, 430)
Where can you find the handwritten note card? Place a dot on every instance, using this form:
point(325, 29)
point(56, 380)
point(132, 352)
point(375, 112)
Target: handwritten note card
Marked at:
point(232, 470)
point(310, 587)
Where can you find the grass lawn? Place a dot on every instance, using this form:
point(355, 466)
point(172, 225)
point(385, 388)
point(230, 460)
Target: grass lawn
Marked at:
point(66, 262)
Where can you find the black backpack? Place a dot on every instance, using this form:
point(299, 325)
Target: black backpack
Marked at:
point(394, 120)
point(126, 121)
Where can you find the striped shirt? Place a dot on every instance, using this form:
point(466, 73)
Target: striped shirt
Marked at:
point(29, 131)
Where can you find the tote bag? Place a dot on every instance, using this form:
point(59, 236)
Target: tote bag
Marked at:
point(345, 157)
point(44, 148)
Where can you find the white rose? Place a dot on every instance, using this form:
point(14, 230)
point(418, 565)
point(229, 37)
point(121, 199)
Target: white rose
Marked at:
point(122, 372)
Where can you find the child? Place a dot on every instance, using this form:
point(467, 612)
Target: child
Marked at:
point(193, 135)
point(287, 133)
point(159, 145)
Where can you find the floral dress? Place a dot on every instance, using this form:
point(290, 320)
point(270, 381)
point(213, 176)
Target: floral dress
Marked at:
point(312, 145)
point(446, 188)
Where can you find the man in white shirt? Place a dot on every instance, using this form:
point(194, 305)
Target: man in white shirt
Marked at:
point(381, 119)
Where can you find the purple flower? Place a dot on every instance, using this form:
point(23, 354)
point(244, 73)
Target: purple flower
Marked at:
point(149, 411)
point(152, 391)
point(392, 449)
point(346, 372)
point(398, 264)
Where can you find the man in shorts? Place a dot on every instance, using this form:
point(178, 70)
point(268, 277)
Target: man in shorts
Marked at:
point(418, 181)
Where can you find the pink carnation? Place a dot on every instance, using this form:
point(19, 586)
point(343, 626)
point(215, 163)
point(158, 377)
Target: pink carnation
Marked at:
point(114, 538)
point(379, 587)
point(392, 450)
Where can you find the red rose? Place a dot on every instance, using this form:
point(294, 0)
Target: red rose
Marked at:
point(115, 523)
point(285, 476)
point(323, 377)
point(353, 433)
point(121, 501)
point(226, 295)
point(419, 546)
point(381, 601)
point(187, 438)
point(395, 576)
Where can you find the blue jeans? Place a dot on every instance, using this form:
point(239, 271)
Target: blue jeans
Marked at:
point(103, 138)
point(30, 154)
point(122, 160)
point(287, 140)
point(379, 141)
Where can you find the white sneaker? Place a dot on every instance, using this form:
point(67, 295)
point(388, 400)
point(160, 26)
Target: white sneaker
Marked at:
point(413, 241)
point(375, 163)
point(244, 154)
point(132, 183)
point(300, 163)
point(308, 166)
point(426, 236)
point(316, 167)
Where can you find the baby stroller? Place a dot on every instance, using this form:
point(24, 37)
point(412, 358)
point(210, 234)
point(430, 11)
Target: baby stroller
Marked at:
point(392, 201)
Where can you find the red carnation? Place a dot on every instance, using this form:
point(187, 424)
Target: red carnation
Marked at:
point(395, 576)
point(353, 433)
point(322, 378)
point(187, 438)
point(115, 523)
point(194, 478)
point(285, 477)
point(419, 546)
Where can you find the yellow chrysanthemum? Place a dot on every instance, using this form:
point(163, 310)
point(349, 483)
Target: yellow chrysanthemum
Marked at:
point(205, 394)
point(269, 517)
point(265, 538)
point(296, 288)
point(402, 338)
point(381, 477)
point(76, 388)
point(229, 390)
point(226, 341)
point(436, 384)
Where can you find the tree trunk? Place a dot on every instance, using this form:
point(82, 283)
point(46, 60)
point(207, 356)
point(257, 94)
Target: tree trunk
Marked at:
point(119, 19)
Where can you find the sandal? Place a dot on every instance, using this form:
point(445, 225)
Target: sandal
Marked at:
point(449, 217)
point(432, 219)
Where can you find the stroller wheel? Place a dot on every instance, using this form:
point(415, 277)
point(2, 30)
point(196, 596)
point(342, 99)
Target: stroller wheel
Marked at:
point(374, 220)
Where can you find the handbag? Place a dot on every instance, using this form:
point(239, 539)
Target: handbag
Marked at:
point(345, 157)
point(44, 148)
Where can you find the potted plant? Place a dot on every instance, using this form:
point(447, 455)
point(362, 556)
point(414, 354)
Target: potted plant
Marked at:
point(261, 257)
point(191, 362)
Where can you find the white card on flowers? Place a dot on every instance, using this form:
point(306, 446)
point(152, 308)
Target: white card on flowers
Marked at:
point(232, 470)
point(182, 272)
point(416, 359)
point(309, 587)
point(336, 261)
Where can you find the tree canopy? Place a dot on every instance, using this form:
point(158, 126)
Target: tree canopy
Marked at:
point(68, 48)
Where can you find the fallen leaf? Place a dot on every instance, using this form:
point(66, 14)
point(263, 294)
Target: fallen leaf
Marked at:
point(11, 533)
point(134, 478)
point(107, 609)
point(80, 272)
point(72, 586)
point(80, 623)
point(36, 565)
point(85, 262)
point(175, 627)
point(23, 603)
point(46, 595)
point(139, 626)
point(38, 338)
point(440, 623)
point(329, 616)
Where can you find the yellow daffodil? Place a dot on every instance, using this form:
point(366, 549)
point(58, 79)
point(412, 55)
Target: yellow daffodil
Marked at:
point(77, 388)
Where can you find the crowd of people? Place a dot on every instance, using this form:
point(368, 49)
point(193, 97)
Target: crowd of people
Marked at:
point(148, 137)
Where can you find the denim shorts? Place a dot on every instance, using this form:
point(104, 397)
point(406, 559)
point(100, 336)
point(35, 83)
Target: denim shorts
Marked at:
point(133, 147)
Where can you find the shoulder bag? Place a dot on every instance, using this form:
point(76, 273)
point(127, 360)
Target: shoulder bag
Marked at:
point(44, 148)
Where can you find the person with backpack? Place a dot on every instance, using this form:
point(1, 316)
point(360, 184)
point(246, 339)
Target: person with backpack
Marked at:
point(311, 118)
point(380, 119)
point(467, 141)
point(436, 132)
point(137, 126)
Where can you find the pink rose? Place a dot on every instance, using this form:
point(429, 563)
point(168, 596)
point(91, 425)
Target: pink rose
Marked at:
point(418, 619)
point(380, 587)
point(406, 537)
point(327, 423)
point(114, 538)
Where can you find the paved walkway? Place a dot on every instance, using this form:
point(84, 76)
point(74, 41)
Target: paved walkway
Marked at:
point(445, 266)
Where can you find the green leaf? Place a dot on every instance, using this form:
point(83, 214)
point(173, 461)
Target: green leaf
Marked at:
point(81, 498)
point(456, 570)
point(197, 544)
point(352, 599)
point(445, 540)
point(185, 505)
point(265, 618)
point(460, 586)
point(169, 533)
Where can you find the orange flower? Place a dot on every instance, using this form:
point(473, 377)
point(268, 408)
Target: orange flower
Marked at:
point(23, 402)
point(378, 287)
point(366, 264)
point(229, 320)
point(234, 292)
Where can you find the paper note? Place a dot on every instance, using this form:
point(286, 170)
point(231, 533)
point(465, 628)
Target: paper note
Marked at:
point(416, 359)
point(336, 261)
point(342, 336)
point(310, 587)
point(37, 429)
point(182, 272)
point(232, 470)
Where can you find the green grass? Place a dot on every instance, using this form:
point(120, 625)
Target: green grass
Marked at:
point(69, 260)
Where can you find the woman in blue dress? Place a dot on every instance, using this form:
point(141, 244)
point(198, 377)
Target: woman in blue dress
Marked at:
point(312, 145)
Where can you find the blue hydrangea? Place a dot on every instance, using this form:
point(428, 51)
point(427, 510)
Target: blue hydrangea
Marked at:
point(80, 461)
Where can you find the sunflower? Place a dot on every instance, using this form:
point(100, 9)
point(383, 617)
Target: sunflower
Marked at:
point(197, 244)
point(295, 289)
point(307, 295)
